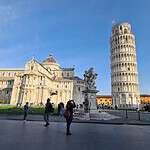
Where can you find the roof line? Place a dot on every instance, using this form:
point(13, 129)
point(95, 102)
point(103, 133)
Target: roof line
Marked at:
point(12, 69)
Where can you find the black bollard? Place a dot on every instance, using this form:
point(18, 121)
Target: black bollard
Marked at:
point(126, 114)
point(139, 117)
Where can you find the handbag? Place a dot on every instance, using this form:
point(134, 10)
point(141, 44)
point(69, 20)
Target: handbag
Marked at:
point(66, 114)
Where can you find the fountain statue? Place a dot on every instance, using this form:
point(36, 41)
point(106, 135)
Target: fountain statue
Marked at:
point(90, 111)
point(90, 90)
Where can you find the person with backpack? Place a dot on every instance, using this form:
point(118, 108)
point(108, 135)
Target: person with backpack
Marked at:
point(26, 111)
point(48, 109)
point(68, 114)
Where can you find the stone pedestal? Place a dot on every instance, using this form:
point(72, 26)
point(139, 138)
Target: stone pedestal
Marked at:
point(90, 100)
point(90, 111)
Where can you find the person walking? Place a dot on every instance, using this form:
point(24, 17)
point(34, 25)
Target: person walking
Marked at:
point(26, 111)
point(61, 109)
point(69, 115)
point(48, 109)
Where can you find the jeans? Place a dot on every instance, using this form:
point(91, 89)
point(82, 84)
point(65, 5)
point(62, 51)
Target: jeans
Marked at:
point(69, 120)
point(25, 115)
point(46, 117)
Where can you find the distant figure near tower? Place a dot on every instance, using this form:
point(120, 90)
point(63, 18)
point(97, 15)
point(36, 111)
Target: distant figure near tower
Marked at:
point(124, 73)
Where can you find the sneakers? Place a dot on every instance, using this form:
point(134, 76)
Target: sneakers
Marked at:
point(68, 134)
point(47, 124)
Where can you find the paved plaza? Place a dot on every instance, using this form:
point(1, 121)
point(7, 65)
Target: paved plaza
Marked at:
point(16, 135)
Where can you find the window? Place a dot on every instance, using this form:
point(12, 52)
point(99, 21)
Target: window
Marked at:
point(125, 30)
point(32, 67)
point(78, 88)
point(60, 94)
point(68, 74)
point(120, 27)
point(7, 92)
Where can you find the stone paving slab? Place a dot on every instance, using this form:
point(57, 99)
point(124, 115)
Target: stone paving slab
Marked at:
point(32, 135)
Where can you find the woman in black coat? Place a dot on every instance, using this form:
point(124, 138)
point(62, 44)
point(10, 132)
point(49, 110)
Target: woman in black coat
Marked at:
point(69, 108)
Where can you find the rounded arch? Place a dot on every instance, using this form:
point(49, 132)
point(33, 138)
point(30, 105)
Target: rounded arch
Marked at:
point(125, 31)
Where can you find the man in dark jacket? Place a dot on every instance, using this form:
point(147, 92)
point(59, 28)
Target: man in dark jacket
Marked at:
point(69, 107)
point(48, 109)
point(26, 110)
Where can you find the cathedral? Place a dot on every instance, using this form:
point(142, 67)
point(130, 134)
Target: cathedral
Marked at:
point(39, 81)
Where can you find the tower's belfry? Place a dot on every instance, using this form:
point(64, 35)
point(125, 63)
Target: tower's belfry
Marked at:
point(124, 73)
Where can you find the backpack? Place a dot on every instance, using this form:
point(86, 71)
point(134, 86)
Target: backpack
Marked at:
point(49, 107)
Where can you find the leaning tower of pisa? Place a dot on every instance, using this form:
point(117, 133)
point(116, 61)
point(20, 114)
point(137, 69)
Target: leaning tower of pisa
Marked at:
point(124, 73)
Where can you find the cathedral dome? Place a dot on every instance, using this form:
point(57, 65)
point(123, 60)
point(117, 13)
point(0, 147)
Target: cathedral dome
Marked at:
point(50, 59)
point(50, 63)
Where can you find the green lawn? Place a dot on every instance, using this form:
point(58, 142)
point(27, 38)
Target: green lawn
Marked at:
point(13, 110)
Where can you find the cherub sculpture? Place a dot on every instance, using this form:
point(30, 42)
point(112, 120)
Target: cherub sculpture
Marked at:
point(89, 78)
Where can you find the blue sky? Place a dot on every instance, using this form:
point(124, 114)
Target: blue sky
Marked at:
point(76, 32)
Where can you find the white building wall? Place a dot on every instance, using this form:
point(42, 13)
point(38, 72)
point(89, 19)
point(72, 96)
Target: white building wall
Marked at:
point(78, 95)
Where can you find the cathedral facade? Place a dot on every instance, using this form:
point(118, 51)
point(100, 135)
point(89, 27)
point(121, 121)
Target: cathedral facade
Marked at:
point(39, 81)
